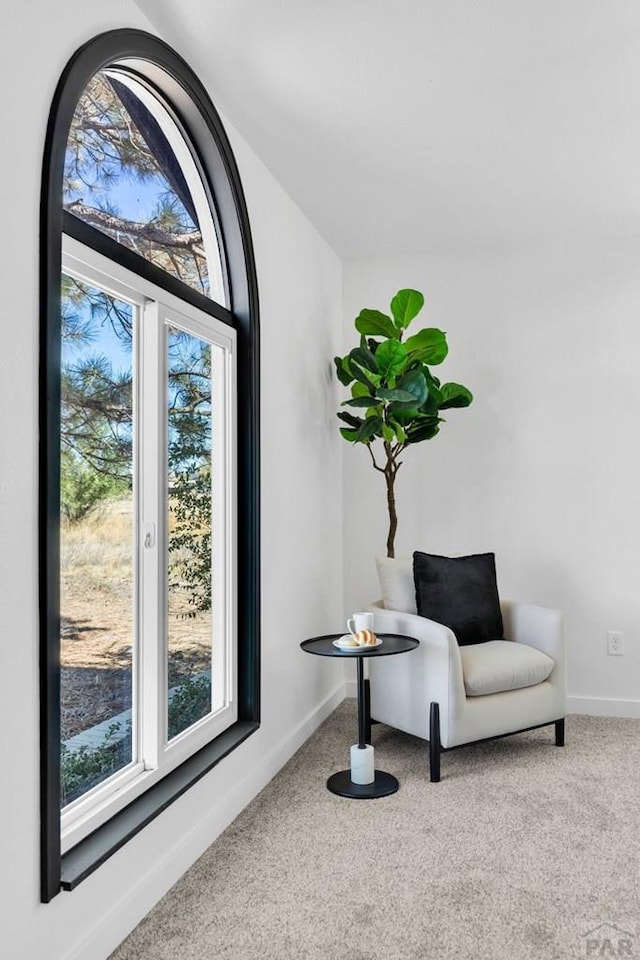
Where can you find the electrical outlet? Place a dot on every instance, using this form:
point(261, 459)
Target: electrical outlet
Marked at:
point(615, 643)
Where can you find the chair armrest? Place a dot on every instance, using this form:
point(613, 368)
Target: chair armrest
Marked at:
point(539, 627)
point(411, 625)
point(435, 668)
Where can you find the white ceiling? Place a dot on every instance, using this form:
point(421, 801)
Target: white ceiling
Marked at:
point(404, 126)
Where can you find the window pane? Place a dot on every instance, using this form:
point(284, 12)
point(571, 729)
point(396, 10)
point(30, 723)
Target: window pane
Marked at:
point(122, 176)
point(190, 528)
point(97, 533)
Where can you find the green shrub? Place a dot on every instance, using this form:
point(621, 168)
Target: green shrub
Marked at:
point(84, 768)
point(190, 702)
point(82, 487)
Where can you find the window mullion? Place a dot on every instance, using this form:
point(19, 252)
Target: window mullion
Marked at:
point(153, 710)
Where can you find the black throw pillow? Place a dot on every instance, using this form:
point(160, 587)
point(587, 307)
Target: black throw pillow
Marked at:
point(460, 592)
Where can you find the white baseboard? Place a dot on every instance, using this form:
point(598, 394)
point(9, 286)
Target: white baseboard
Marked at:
point(351, 688)
point(124, 916)
point(603, 707)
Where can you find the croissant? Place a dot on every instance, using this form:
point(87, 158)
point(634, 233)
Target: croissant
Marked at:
point(365, 638)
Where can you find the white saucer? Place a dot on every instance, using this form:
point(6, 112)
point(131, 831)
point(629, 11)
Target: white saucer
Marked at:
point(340, 644)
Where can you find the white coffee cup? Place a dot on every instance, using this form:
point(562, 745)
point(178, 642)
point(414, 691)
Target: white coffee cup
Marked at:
point(360, 621)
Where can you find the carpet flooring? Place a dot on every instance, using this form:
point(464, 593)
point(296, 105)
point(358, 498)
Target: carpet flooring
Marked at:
point(524, 850)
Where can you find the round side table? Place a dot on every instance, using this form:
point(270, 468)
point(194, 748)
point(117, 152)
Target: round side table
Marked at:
point(392, 643)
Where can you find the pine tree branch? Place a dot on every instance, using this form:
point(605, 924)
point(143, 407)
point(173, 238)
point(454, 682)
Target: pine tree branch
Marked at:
point(143, 231)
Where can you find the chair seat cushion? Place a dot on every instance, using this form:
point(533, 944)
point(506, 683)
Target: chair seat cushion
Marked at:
point(500, 665)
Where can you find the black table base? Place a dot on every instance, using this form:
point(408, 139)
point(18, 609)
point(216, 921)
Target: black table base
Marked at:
point(342, 784)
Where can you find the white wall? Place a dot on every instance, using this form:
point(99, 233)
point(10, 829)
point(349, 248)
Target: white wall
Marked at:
point(543, 467)
point(300, 293)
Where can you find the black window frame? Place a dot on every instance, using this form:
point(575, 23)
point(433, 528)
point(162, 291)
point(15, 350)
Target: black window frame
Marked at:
point(159, 65)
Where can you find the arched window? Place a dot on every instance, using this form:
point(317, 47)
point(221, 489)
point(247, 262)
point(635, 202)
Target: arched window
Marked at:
point(149, 450)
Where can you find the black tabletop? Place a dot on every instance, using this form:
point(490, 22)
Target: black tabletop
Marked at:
point(391, 643)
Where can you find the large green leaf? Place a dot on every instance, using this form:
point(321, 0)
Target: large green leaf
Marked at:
point(391, 357)
point(369, 429)
point(402, 396)
point(355, 422)
point(429, 345)
point(350, 435)
point(359, 402)
point(454, 395)
point(359, 390)
point(376, 324)
point(363, 356)
point(403, 413)
point(415, 383)
point(400, 434)
point(406, 305)
point(388, 432)
point(433, 401)
point(423, 430)
point(431, 407)
point(343, 371)
point(360, 375)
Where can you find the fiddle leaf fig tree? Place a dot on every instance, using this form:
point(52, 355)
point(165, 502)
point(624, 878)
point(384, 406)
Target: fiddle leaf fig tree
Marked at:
point(394, 396)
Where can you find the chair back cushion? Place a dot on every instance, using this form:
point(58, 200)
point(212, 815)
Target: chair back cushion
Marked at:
point(461, 593)
point(396, 583)
point(501, 665)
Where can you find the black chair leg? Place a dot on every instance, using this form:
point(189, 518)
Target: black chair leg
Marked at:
point(434, 743)
point(560, 733)
point(367, 711)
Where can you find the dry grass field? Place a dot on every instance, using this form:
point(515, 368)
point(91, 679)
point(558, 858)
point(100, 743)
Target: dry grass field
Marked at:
point(97, 620)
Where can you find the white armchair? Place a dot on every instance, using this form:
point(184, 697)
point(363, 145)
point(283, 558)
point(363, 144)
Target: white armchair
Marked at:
point(451, 695)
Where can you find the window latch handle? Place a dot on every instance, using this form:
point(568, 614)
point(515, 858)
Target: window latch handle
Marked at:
point(149, 535)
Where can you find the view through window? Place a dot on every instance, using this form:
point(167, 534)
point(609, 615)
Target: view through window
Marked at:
point(96, 537)
point(123, 176)
point(129, 175)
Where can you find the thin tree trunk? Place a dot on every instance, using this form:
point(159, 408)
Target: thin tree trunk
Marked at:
point(390, 477)
point(390, 470)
